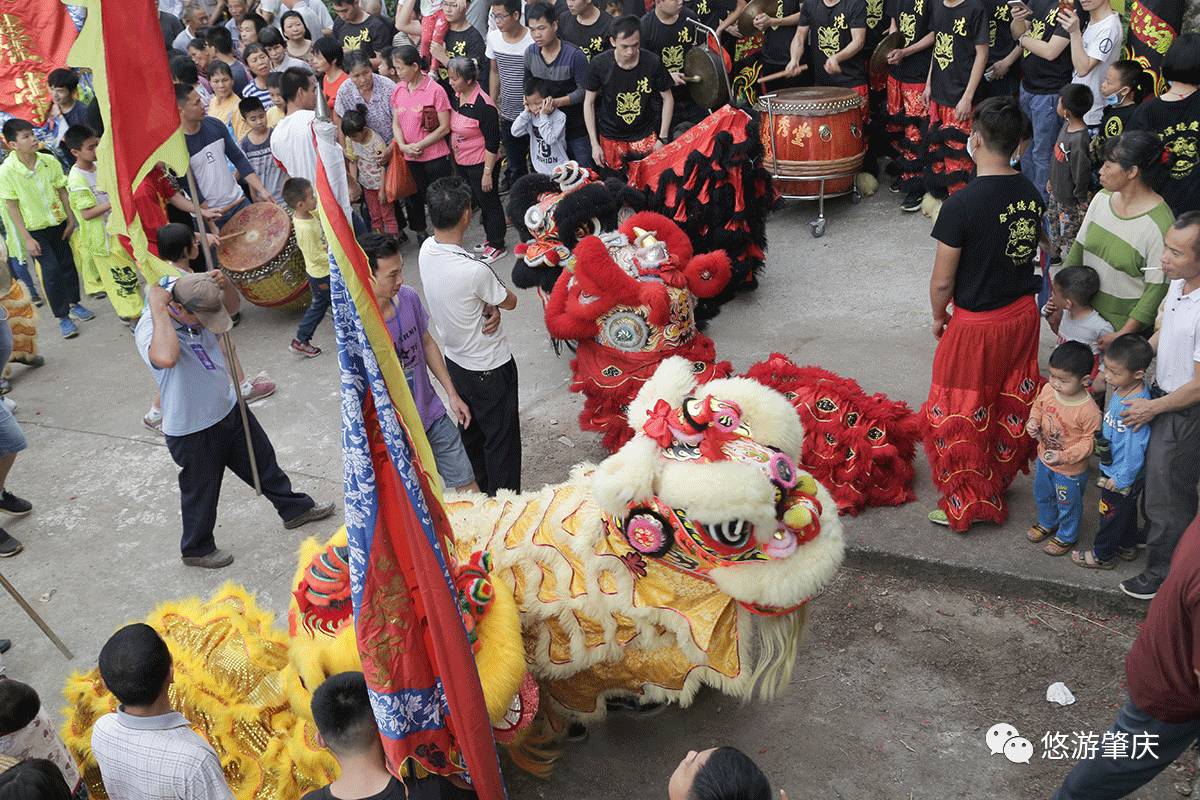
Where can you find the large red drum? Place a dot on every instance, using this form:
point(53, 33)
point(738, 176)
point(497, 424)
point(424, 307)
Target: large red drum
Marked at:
point(259, 254)
point(811, 133)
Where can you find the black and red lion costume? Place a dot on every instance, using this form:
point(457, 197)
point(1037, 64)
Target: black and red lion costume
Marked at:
point(628, 311)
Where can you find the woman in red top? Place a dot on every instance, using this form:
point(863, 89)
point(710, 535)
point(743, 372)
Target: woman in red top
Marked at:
point(327, 61)
point(475, 144)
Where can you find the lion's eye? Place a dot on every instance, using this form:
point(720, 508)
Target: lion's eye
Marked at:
point(734, 533)
point(826, 405)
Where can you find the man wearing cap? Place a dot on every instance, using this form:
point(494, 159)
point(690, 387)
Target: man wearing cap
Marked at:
point(203, 427)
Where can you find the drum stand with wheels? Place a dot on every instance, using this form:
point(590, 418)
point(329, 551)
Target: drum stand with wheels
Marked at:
point(817, 225)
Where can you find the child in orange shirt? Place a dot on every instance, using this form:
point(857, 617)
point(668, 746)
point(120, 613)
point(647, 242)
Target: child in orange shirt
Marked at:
point(1064, 421)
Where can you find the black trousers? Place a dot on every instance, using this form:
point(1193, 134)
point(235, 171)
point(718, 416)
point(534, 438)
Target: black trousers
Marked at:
point(1172, 473)
point(1118, 521)
point(424, 173)
point(202, 458)
point(516, 151)
point(489, 204)
point(493, 439)
point(59, 277)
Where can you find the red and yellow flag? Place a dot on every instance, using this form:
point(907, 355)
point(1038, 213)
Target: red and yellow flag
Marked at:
point(35, 36)
point(122, 39)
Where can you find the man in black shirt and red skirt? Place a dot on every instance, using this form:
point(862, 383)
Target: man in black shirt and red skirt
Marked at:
point(985, 370)
point(624, 83)
point(907, 106)
point(960, 51)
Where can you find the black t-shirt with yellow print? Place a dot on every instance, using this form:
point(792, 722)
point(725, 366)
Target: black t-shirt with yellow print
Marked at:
point(956, 32)
point(777, 42)
point(912, 21)
point(877, 25)
point(625, 107)
point(467, 43)
point(994, 221)
point(671, 44)
point(1038, 75)
point(1000, 38)
point(829, 29)
point(592, 39)
point(710, 12)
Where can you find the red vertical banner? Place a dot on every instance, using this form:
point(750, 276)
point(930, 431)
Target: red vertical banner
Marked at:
point(35, 37)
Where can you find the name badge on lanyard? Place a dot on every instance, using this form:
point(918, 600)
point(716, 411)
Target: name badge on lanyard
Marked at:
point(202, 354)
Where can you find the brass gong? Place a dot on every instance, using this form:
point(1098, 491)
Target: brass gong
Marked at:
point(704, 71)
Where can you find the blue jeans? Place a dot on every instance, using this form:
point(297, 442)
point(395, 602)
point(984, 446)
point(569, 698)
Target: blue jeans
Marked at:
point(1042, 110)
point(1059, 502)
point(1111, 778)
point(580, 150)
point(316, 309)
point(20, 271)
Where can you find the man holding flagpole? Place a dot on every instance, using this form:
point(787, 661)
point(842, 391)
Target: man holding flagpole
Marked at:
point(202, 425)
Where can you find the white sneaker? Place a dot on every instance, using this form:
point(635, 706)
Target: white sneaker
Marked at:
point(479, 248)
point(10, 404)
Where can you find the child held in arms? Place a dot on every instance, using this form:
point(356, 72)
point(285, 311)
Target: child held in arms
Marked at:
point(1071, 315)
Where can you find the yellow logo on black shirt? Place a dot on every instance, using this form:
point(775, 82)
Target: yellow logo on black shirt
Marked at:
point(1022, 239)
point(908, 27)
point(828, 41)
point(960, 26)
point(594, 46)
point(874, 12)
point(672, 58)
point(1113, 127)
point(943, 49)
point(629, 106)
point(1182, 147)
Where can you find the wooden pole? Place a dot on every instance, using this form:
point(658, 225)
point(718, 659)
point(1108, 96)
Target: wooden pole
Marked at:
point(33, 615)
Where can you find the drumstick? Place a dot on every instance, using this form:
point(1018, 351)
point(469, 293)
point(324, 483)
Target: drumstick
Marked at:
point(227, 236)
point(783, 73)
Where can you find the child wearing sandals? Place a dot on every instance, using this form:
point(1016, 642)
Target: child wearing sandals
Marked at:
point(1122, 452)
point(1064, 420)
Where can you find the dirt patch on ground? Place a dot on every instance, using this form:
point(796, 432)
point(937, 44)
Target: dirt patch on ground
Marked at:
point(892, 695)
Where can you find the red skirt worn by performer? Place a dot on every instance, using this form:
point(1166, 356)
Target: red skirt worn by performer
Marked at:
point(985, 370)
point(985, 379)
point(908, 113)
point(627, 300)
point(949, 167)
point(960, 44)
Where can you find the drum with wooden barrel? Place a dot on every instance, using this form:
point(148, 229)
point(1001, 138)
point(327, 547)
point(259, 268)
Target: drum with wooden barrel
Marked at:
point(812, 133)
point(259, 254)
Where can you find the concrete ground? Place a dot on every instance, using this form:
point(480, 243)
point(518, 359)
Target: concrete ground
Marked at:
point(102, 543)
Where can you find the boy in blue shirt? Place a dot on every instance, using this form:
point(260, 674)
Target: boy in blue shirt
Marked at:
point(1122, 455)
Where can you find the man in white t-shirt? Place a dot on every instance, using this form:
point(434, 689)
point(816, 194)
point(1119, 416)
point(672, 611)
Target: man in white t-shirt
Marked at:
point(316, 16)
point(506, 46)
point(292, 140)
point(1096, 47)
point(464, 298)
point(1173, 455)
